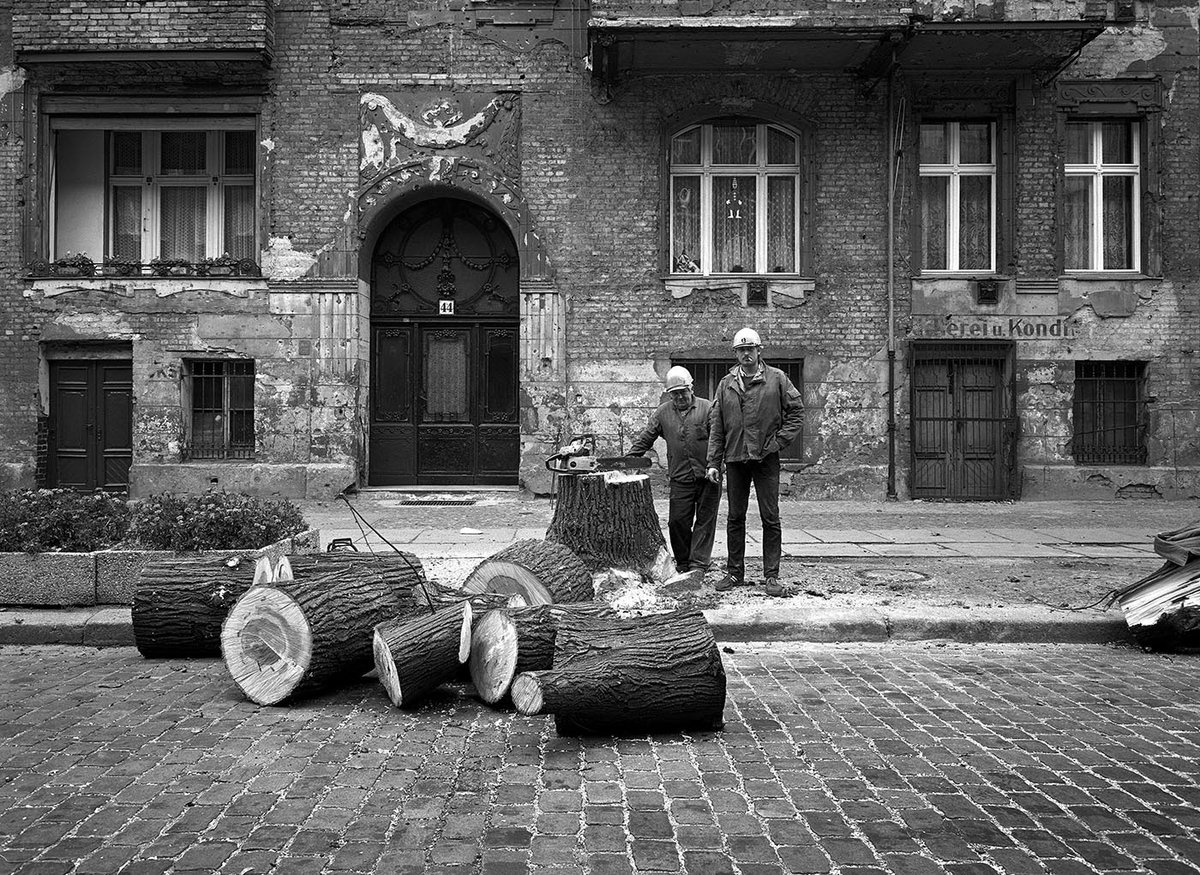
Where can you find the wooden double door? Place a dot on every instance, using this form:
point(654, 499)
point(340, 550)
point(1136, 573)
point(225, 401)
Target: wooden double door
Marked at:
point(90, 438)
point(444, 403)
point(964, 425)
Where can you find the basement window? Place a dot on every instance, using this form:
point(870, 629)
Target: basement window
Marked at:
point(219, 408)
point(707, 374)
point(155, 196)
point(1110, 413)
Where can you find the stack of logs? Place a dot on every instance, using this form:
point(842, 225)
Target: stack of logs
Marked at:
point(524, 624)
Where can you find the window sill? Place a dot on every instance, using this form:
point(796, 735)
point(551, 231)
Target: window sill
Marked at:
point(1107, 276)
point(129, 287)
point(783, 291)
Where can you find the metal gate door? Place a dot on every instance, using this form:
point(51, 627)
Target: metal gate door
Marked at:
point(963, 421)
point(90, 442)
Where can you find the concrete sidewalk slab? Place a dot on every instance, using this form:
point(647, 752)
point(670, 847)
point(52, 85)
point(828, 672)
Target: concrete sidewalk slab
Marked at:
point(1114, 551)
point(920, 551)
point(851, 536)
point(1010, 550)
point(825, 551)
point(1094, 535)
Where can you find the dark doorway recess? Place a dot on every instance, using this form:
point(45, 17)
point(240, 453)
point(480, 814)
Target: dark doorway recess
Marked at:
point(964, 425)
point(444, 349)
point(90, 439)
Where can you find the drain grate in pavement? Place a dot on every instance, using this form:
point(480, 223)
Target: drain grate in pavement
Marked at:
point(439, 502)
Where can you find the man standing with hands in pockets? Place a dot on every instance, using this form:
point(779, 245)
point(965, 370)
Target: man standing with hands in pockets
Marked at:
point(756, 413)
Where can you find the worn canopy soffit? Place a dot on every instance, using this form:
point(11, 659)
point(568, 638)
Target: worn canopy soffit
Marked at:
point(652, 45)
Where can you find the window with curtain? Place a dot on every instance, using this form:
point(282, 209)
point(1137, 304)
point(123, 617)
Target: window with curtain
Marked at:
point(186, 195)
point(1101, 196)
point(957, 196)
point(735, 195)
point(221, 408)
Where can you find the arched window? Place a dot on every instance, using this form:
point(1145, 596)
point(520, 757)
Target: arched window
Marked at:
point(735, 198)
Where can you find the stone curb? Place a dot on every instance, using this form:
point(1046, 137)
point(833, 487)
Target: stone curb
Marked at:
point(113, 626)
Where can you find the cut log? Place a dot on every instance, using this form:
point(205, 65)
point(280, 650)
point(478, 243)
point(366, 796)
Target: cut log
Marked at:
point(615, 676)
point(1181, 545)
point(541, 572)
point(435, 596)
point(181, 601)
point(293, 638)
point(505, 643)
point(414, 656)
point(609, 522)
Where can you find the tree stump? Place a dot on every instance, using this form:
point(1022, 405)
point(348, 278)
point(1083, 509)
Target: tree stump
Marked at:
point(292, 638)
point(608, 524)
point(541, 572)
point(181, 601)
point(614, 676)
point(414, 656)
point(506, 642)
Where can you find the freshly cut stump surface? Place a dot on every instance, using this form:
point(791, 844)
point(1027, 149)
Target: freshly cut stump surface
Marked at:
point(608, 525)
point(507, 642)
point(293, 638)
point(414, 656)
point(541, 572)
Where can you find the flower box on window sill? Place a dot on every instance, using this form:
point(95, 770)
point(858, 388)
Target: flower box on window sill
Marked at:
point(781, 291)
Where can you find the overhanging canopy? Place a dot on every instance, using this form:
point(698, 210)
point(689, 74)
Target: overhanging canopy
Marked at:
point(819, 43)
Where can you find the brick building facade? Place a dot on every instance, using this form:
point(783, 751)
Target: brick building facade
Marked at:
point(373, 242)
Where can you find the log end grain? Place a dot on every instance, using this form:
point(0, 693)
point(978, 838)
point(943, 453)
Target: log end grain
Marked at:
point(464, 634)
point(267, 644)
point(527, 694)
point(500, 576)
point(493, 660)
point(385, 667)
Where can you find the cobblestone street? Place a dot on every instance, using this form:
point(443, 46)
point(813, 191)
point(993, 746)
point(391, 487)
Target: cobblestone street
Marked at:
point(847, 759)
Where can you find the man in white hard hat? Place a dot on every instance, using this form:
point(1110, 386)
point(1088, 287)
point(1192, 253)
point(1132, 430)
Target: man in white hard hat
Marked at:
point(756, 413)
point(692, 514)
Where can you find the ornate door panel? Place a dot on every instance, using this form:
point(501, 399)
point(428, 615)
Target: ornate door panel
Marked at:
point(444, 322)
point(91, 424)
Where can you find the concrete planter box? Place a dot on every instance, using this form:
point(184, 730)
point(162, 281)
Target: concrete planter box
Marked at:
point(107, 577)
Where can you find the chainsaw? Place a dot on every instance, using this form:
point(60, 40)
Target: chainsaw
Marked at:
point(579, 457)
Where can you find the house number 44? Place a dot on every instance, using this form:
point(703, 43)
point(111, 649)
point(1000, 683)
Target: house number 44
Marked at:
point(446, 308)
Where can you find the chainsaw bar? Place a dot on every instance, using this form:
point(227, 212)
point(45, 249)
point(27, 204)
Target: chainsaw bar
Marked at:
point(597, 464)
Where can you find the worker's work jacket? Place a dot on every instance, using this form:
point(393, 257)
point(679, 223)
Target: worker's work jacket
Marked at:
point(753, 417)
point(687, 438)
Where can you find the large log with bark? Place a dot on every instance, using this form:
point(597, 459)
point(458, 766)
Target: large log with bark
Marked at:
point(541, 572)
point(414, 656)
point(506, 642)
point(181, 601)
point(615, 676)
point(609, 521)
point(291, 638)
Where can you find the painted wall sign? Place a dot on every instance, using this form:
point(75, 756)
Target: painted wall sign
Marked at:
point(1014, 328)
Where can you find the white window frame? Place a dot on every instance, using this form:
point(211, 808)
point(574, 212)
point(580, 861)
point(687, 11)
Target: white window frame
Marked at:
point(151, 183)
point(1096, 171)
point(761, 170)
point(954, 170)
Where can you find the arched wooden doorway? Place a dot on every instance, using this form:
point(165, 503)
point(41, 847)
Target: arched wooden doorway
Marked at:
point(444, 329)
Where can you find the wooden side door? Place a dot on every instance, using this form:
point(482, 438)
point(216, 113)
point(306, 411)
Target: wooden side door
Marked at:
point(90, 441)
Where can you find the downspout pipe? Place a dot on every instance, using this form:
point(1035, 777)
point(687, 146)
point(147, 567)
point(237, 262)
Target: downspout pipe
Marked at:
point(892, 153)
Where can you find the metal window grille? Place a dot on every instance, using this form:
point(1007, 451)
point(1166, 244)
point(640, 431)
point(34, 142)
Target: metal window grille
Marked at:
point(707, 373)
point(1110, 413)
point(222, 408)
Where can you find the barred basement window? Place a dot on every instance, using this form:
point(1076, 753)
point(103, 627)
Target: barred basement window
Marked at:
point(1110, 413)
point(707, 373)
point(221, 406)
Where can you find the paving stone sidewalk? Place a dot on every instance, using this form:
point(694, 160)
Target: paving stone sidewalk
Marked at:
point(854, 760)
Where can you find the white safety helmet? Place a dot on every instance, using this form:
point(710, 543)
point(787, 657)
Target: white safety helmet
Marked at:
point(678, 378)
point(746, 337)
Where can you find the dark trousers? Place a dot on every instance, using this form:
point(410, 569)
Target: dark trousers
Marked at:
point(692, 522)
point(764, 474)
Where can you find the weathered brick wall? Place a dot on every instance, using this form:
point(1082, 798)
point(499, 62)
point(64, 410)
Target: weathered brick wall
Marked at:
point(141, 25)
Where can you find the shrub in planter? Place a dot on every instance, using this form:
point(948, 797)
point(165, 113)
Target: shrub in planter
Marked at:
point(213, 521)
point(59, 520)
